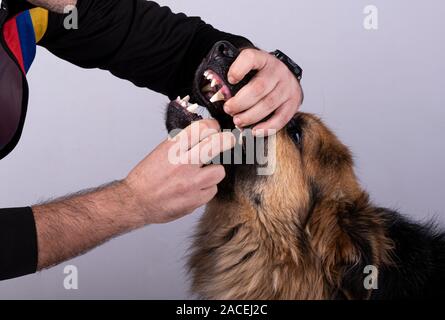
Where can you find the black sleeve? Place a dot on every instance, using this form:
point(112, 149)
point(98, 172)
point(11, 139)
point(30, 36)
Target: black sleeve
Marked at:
point(18, 243)
point(136, 40)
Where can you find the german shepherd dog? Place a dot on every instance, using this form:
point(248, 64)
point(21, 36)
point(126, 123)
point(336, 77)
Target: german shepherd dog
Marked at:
point(308, 231)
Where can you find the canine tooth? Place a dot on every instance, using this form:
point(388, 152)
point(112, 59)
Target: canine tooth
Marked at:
point(218, 97)
point(206, 74)
point(207, 88)
point(214, 83)
point(186, 99)
point(178, 99)
point(209, 76)
point(184, 104)
point(192, 108)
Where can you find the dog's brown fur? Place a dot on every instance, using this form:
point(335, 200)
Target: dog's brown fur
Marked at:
point(294, 234)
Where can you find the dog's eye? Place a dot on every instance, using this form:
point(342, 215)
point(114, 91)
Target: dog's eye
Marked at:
point(294, 130)
point(297, 137)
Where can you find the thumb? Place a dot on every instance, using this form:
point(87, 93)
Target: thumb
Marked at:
point(248, 59)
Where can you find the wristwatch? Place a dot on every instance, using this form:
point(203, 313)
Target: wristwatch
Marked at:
point(292, 65)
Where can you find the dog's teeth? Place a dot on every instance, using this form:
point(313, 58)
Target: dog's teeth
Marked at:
point(209, 76)
point(192, 108)
point(219, 96)
point(186, 99)
point(207, 88)
point(184, 104)
point(206, 74)
point(214, 83)
point(178, 99)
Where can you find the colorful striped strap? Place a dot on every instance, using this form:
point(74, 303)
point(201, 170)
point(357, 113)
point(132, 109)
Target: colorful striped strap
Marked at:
point(23, 32)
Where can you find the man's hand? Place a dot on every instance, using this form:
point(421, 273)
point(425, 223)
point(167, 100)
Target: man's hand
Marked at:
point(273, 91)
point(156, 191)
point(167, 191)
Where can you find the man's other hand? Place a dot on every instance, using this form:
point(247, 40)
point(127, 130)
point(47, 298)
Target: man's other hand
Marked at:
point(167, 190)
point(273, 91)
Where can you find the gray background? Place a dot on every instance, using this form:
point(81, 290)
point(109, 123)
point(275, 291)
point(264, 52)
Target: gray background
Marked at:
point(381, 91)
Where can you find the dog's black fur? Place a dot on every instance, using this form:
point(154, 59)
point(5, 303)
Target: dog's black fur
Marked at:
point(419, 261)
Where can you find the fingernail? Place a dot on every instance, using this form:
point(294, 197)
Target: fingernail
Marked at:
point(227, 109)
point(231, 80)
point(237, 121)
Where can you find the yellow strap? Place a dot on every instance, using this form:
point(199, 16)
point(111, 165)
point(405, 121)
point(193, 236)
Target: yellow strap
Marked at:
point(39, 17)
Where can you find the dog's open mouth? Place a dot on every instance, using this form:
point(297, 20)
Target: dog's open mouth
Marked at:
point(214, 88)
point(213, 93)
point(211, 90)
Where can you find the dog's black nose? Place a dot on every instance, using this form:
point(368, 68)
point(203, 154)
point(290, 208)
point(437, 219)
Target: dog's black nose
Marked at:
point(224, 50)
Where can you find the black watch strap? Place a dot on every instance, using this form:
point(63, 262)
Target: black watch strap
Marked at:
point(293, 67)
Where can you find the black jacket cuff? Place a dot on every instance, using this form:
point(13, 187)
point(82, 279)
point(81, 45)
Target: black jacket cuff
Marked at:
point(18, 243)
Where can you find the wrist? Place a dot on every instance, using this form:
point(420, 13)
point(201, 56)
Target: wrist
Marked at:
point(135, 214)
point(137, 203)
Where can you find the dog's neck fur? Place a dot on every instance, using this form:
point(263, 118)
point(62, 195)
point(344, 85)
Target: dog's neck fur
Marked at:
point(296, 261)
point(258, 246)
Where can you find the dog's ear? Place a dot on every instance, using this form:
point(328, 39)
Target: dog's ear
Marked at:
point(332, 243)
point(348, 235)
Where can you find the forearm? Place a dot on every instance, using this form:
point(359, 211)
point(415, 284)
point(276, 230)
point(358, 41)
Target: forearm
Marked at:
point(73, 225)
